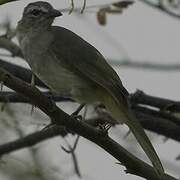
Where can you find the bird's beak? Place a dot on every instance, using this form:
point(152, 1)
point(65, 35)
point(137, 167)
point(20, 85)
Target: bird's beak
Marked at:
point(55, 13)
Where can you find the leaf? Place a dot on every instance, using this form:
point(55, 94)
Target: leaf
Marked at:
point(114, 8)
point(101, 17)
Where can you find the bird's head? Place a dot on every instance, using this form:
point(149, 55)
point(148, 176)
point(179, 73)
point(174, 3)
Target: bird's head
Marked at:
point(39, 14)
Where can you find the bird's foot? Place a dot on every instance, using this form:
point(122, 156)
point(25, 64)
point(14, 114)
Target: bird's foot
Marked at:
point(105, 128)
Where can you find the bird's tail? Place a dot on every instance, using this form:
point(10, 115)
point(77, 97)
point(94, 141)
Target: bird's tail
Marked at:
point(125, 115)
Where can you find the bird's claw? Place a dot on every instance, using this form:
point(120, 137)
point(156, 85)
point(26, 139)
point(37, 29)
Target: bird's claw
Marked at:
point(105, 128)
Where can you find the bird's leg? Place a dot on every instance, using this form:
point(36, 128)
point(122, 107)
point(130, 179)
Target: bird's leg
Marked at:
point(101, 111)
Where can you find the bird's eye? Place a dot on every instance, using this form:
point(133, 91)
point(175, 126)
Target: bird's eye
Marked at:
point(36, 12)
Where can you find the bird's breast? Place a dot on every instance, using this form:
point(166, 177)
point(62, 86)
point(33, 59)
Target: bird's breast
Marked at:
point(50, 71)
point(47, 67)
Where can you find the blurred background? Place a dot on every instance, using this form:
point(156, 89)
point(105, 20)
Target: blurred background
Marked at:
point(141, 34)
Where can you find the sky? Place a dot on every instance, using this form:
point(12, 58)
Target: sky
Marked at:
point(141, 33)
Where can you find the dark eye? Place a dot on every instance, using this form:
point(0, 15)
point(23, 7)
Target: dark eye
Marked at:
point(36, 12)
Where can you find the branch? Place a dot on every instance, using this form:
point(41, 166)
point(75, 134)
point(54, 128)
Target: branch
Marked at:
point(13, 97)
point(150, 120)
point(59, 117)
point(31, 140)
point(40, 136)
point(7, 44)
point(20, 72)
point(163, 104)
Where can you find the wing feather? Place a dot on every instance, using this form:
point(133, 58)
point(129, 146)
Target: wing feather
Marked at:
point(84, 60)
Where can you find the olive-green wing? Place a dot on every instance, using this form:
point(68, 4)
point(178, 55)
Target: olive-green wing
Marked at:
point(84, 60)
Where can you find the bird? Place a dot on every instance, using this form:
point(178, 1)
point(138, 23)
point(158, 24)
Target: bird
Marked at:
point(65, 62)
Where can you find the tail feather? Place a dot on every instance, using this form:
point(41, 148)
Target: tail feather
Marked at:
point(144, 141)
point(125, 115)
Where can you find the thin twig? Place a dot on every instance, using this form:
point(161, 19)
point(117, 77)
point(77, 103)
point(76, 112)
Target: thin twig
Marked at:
point(71, 150)
point(84, 6)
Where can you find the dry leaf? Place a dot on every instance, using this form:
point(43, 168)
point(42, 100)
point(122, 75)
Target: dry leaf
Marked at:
point(114, 8)
point(101, 17)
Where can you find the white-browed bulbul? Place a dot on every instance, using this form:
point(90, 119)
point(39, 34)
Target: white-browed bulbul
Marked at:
point(66, 62)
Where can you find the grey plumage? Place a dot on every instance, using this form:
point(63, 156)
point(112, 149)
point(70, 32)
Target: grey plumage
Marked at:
point(66, 62)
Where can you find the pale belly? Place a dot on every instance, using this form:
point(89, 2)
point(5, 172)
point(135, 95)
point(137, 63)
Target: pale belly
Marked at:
point(61, 80)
